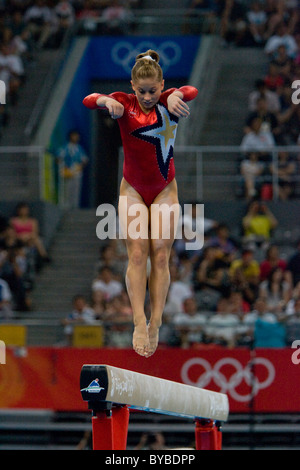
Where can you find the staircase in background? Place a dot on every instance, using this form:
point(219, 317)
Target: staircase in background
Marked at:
point(74, 254)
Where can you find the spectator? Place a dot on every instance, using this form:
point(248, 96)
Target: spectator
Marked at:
point(257, 139)
point(15, 44)
point(237, 304)
point(98, 304)
point(294, 265)
point(259, 311)
point(257, 20)
point(272, 260)
point(194, 226)
point(81, 314)
point(276, 291)
point(108, 257)
point(38, 17)
point(19, 28)
point(106, 283)
point(295, 75)
point(11, 72)
point(258, 224)
point(185, 266)
point(290, 308)
point(118, 308)
point(13, 270)
point(269, 335)
point(117, 18)
point(222, 327)
point(245, 275)
point(291, 124)
point(203, 10)
point(189, 323)
point(178, 291)
point(288, 117)
point(211, 273)
point(283, 62)
point(293, 324)
point(72, 159)
point(251, 169)
point(233, 23)
point(261, 90)
point(87, 15)
point(285, 172)
point(5, 301)
point(27, 230)
point(120, 335)
point(285, 99)
point(281, 37)
point(65, 18)
point(224, 244)
point(273, 78)
point(151, 441)
point(269, 122)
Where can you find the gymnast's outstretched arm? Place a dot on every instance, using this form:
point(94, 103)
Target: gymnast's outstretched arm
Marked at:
point(96, 100)
point(177, 100)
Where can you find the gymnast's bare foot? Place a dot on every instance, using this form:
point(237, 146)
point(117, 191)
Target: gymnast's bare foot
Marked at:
point(153, 333)
point(140, 339)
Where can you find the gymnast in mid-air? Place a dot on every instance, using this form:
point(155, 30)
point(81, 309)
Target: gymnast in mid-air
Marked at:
point(148, 120)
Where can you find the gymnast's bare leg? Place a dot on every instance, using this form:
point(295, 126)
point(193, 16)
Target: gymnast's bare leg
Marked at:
point(136, 274)
point(165, 225)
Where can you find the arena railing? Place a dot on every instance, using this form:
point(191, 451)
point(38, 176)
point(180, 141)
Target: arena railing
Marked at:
point(35, 331)
point(22, 172)
point(158, 21)
point(203, 172)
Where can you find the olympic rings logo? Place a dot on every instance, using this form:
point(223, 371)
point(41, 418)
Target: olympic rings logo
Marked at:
point(229, 384)
point(124, 53)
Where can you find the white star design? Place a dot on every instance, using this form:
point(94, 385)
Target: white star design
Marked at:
point(161, 134)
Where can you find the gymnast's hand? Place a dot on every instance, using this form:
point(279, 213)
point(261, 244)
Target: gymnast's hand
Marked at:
point(176, 106)
point(115, 109)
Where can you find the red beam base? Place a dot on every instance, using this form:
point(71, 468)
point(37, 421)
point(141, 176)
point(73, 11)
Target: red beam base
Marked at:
point(110, 428)
point(208, 435)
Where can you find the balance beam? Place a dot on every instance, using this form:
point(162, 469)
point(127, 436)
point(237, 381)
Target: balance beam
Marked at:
point(111, 391)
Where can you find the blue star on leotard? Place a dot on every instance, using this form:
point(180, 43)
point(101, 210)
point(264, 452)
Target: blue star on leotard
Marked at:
point(161, 134)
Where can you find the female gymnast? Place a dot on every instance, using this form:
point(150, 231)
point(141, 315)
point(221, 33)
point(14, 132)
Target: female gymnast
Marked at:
point(148, 120)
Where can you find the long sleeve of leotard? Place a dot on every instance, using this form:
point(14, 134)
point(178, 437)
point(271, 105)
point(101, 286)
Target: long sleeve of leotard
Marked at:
point(189, 93)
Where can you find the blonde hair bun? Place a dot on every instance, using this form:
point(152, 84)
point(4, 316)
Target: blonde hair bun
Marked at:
point(147, 66)
point(149, 55)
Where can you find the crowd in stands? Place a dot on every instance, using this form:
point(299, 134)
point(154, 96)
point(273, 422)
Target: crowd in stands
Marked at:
point(273, 119)
point(220, 294)
point(22, 255)
point(28, 26)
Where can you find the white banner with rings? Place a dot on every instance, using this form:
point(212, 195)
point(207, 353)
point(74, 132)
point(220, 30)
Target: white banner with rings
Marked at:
point(123, 53)
point(229, 384)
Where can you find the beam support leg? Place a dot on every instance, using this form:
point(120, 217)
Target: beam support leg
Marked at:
point(208, 435)
point(110, 428)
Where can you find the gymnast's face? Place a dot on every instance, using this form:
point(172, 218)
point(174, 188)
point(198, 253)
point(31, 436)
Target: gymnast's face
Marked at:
point(148, 91)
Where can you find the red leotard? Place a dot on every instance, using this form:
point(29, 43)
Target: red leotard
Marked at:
point(148, 141)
